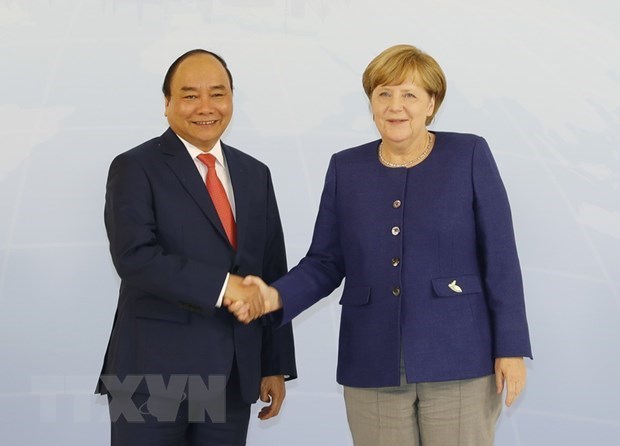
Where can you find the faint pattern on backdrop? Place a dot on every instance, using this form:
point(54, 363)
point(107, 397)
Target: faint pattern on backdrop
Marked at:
point(81, 82)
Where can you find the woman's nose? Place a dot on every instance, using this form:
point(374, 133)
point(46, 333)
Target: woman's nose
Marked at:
point(396, 103)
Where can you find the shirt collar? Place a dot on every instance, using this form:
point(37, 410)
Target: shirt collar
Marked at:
point(194, 151)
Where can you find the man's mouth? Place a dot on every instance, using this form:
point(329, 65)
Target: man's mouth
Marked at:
point(204, 122)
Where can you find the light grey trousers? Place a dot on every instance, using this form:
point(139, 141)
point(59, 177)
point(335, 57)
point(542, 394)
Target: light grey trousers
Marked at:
point(451, 413)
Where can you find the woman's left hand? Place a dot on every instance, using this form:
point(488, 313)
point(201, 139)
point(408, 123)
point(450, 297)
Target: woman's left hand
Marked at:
point(511, 373)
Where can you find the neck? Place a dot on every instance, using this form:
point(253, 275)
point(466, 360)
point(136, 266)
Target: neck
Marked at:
point(394, 156)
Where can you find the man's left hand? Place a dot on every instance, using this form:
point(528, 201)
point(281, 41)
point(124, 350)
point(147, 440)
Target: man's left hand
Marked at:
point(272, 389)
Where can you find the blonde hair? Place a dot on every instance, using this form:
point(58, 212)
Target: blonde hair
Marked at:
point(397, 63)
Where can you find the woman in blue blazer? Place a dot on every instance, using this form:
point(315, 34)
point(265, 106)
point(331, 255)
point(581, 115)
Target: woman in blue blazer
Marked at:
point(433, 323)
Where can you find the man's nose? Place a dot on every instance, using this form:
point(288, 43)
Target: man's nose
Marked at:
point(205, 104)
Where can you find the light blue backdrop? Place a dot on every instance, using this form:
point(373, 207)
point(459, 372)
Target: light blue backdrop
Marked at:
point(80, 84)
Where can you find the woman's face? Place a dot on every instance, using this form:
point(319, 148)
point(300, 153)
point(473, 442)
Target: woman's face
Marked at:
point(400, 111)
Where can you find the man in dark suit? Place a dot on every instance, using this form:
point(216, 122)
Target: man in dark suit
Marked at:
point(187, 217)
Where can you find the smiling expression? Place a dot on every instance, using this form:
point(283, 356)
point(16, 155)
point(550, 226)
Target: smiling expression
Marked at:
point(400, 112)
point(200, 104)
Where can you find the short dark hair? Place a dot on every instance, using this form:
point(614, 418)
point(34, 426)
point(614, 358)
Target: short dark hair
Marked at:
point(165, 88)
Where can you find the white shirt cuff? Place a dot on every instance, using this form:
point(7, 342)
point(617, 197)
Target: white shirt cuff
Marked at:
point(220, 299)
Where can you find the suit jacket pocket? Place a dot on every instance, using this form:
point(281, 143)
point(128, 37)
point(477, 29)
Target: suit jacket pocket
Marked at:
point(356, 295)
point(454, 286)
point(153, 308)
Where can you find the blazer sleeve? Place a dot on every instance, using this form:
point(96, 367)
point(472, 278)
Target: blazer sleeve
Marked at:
point(498, 255)
point(139, 258)
point(322, 269)
point(278, 348)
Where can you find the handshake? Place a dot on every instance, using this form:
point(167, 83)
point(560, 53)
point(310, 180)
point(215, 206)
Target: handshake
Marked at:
point(250, 298)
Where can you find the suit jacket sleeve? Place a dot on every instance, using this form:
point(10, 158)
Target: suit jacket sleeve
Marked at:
point(322, 269)
point(139, 257)
point(498, 255)
point(278, 354)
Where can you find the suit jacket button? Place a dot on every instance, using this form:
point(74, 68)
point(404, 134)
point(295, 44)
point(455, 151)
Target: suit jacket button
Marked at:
point(396, 204)
point(395, 261)
point(396, 291)
point(395, 230)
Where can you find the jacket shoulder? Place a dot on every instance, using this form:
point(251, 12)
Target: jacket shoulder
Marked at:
point(358, 152)
point(145, 149)
point(243, 158)
point(460, 141)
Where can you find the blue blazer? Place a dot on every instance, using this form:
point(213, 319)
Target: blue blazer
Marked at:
point(430, 263)
point(172, 254)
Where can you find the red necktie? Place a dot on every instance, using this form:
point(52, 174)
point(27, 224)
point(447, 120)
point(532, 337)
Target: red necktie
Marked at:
point(219, 198)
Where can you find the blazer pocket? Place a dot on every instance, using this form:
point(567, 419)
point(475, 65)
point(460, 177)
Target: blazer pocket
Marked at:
point(457, 285)
point(152, 308)
point(357, 295)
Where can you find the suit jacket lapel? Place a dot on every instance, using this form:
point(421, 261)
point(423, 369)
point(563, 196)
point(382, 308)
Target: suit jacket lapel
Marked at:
point(241, 190)
point(184, 168)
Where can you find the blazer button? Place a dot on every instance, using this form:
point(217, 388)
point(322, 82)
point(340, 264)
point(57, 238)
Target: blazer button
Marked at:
point(395, 230)
point(396, 291)
point(395, 261)
point(396, 204)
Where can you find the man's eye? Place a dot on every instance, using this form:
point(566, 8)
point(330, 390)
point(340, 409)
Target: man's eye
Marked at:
point(190, 96)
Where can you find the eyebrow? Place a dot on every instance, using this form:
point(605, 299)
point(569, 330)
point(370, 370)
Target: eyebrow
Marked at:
point(214, 87)
point(394, 87)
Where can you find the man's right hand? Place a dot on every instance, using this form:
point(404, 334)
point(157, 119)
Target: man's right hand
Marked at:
point(246, 296)
point(243, 310)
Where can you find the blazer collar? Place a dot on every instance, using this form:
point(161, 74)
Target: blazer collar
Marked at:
point(181, 163)
point(239, 177)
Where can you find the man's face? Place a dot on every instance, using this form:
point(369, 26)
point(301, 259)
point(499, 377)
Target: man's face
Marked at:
point(200, 104)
